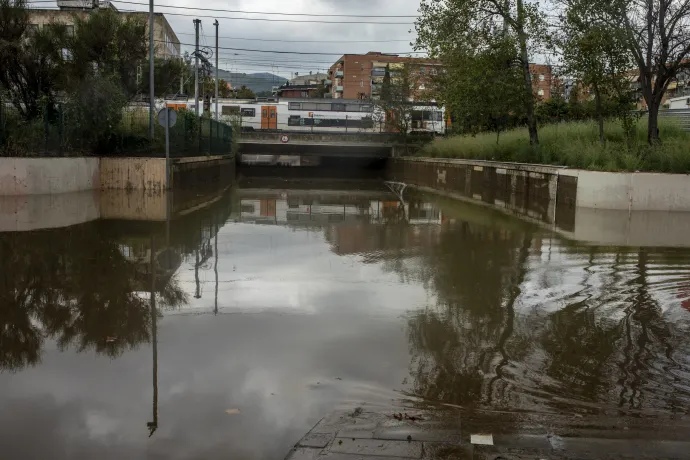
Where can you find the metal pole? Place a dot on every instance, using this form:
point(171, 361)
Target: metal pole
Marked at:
point(216, 24)
point(151, 69)
point(196, 67)
point(167, 146)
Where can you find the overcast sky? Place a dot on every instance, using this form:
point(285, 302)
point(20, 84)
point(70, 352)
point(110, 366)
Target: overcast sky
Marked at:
point(337, 38)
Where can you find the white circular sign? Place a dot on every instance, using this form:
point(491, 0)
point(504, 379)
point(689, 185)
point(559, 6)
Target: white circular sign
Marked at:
point(172, 117)
point(284, 139)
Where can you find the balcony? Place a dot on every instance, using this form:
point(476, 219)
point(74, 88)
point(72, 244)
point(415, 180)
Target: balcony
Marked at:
point(328, 82)
point(338, 89)
point(339, 74)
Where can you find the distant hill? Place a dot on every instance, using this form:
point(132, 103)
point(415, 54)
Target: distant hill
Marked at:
point(257, 82)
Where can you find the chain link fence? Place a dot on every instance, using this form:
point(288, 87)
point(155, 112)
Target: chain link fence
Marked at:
point(55, 133)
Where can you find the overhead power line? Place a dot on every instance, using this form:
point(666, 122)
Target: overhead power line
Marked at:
point(291, 52)
point(272, 13)
point(274, 20)
point(303, 41)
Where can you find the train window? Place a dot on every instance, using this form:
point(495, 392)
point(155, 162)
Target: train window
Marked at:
point(353, 107)
point(365, 108)
point(294, 120)
point(230, 109)
point(324, 107)
point(308, 106)
point(438, 116)
point(248, 112)
point(367, 122)
point(294, 106)
point(338, 107)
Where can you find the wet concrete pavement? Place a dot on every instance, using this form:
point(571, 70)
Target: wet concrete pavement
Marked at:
point(232, 330)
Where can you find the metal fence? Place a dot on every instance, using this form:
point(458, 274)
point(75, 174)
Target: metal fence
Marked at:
point(682, 116)
point(55, 134)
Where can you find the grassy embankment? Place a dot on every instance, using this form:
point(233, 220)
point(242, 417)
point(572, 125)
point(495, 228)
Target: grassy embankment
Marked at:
point(576, 145)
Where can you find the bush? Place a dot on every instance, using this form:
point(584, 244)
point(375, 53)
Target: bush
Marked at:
point(576, 145)
point(93, 114)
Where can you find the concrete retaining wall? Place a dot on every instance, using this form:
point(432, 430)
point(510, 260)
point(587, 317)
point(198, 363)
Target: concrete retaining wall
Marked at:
point(587, 189)
point(631, 191)
point(29, 176)
point(33, 212)
point(130, 173)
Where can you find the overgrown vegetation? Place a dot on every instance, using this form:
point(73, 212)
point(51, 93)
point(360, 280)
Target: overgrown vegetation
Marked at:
point(611, 49)
point(76, 93)
point(576, 145)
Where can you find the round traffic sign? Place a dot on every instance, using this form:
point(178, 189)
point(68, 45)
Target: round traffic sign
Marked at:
point(172, 117)
point(284, 139)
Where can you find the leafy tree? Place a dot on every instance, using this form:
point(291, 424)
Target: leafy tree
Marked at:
point(596, 55)
point(245, 93)
point(497, 99)
point(657, 35)
point(453, 28)
point(30, 60)
point(398, 92)
point(106, 43)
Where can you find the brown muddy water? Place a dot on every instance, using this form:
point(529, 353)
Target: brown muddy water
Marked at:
point(271, 304)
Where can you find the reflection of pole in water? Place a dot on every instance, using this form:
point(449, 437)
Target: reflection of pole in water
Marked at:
point(152, 426)
point(197, 294)
point(215, 268)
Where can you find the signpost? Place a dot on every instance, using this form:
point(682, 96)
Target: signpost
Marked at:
point(167, 118)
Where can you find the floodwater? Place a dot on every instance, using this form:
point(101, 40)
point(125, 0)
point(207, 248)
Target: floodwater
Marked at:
point(275, 303)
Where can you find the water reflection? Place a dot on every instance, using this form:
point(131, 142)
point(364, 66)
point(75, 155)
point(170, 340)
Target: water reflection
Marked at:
point(259, 298)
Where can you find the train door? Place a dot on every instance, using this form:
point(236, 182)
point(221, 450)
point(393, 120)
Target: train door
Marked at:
point(269, 117)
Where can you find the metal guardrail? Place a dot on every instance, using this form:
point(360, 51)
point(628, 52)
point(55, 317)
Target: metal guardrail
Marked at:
point(680, 115)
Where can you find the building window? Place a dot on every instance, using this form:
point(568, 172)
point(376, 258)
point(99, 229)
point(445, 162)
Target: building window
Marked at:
point(361, 83)
point(248, 112)
point(230, 110)
point(541, 77)
point(540, 92)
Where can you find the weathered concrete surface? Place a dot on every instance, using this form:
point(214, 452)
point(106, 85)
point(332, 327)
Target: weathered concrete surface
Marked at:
point(34, 212)
point(376, 433)
point(129, 173)
point(35, 176)
point(305, 137)
point(586, 189)
point(144, 205)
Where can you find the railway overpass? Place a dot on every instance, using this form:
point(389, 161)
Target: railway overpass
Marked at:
point(304, 143)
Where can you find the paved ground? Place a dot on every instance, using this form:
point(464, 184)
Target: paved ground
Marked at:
point(375, 433)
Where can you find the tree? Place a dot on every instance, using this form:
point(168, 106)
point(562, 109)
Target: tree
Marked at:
point(106, 43)
point(491, 104)
point(449, 28)
point(245, 93)
point(38, 65)
point(30, 60)
point(395, 105)
point(657, 34)
point(596, 55)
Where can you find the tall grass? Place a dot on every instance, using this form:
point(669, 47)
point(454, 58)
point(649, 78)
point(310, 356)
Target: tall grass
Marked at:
point(576, 145)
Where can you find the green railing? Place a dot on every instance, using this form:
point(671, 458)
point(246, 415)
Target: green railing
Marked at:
point(54, 134)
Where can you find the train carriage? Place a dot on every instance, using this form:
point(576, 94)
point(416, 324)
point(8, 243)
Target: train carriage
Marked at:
point(323, 116)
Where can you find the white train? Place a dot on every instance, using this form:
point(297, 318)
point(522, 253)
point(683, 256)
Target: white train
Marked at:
point(319, 115)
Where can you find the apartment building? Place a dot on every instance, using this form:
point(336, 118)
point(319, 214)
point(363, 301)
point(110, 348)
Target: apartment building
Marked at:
point(166, 42)
point(360, 76)
point(542, 80)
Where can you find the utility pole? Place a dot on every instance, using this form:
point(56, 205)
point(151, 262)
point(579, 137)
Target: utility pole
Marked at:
point(151, 70)
point(216, 24)
point(196, 66)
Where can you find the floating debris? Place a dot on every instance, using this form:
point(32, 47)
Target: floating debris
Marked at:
point(482, 439)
